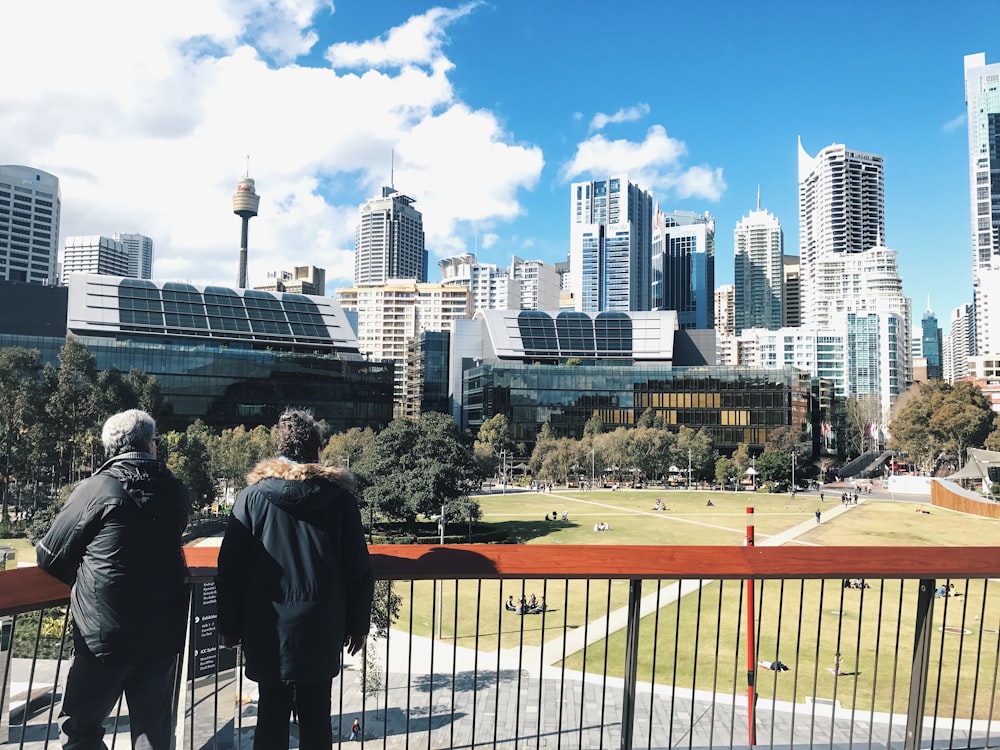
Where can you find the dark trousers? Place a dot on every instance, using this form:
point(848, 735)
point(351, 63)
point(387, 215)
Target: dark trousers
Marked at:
point(94, 686)
point(274, 709)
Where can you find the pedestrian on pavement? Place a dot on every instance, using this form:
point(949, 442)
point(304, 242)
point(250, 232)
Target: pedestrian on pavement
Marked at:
point(117, 542)
point(818, 514)
point(356, 729)
point(295, 584)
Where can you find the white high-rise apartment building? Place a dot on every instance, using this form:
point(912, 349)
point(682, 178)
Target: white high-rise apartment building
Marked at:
point(95, 254)
point(539, 284)
point(610, 251)
point(29, 224)
point(140, 254)
point(791, 311)
point(841, 211)
point(821, 352)
point(758, 244)
point(982, 99)
point(389, 240)
point(960, 343)
point(490, 285)
point(391, 315)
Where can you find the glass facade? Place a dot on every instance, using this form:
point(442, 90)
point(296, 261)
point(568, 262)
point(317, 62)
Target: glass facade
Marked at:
point(229, 387)
point(735, 405)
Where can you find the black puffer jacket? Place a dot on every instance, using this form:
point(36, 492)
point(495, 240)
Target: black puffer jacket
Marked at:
point(117, 541)
point(294, 575)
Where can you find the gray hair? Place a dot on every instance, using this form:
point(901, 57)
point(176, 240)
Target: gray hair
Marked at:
point(131, 430)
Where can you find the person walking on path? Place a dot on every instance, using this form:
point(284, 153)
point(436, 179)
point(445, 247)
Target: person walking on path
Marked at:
point(117, 542)
point(356, 730)
point(295, 584)
point(818, 516)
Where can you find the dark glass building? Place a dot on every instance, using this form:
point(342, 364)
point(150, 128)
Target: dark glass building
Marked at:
point(226, 356)
point(565, 368)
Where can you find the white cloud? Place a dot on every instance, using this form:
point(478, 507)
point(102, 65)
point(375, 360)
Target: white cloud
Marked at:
point(654, 164)
point(146, 113)
point(954, 123)
point(416, 42)
point(629, 114)
point(488, 240)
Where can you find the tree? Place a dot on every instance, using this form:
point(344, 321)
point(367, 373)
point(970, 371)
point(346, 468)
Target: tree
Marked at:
point(593, 426)
point(864, 415)
point(992, 442)
point(347, 447)
point(741, 461)
point(236, 451)
point(783, 438)
point(774, 466)
point(74, 410)
point(941, 418)
point(413, 467)
point(188, 456)
point(21, 414)
point(697, 447)
point(723, 470)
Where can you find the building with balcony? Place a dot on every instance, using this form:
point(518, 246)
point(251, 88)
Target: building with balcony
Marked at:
point(758, 245)
point(30, 206)
point(490, 286)
point(95, 255)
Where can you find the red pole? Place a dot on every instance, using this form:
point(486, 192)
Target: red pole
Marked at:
point(751, 657)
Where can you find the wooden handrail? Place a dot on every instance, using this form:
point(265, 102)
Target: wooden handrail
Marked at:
point(26, 589)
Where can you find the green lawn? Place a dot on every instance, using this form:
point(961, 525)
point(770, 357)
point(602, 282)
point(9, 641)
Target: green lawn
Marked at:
point(802, 623)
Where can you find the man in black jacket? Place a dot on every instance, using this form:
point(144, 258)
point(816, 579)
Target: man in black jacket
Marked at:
point(295, 584)
point(117, 542)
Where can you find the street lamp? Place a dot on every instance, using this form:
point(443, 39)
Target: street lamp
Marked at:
point(793, 473)
point(689, 469)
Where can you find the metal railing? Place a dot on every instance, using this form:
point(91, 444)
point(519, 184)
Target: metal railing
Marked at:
point(636, 646)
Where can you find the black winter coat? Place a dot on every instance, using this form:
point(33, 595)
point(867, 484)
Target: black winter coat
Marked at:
point(294, 575)
point(117, 542)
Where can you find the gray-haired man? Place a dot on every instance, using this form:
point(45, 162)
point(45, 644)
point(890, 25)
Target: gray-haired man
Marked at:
point(117, 542)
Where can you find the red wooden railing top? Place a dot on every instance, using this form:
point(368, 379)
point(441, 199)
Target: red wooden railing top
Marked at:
point(27, 589)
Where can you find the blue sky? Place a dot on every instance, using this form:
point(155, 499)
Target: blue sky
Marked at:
point(147, 115)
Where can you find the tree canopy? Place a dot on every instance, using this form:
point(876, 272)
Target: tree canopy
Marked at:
point(939, 418)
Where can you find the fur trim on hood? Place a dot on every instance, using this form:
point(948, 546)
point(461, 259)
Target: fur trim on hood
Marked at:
point(280, 469)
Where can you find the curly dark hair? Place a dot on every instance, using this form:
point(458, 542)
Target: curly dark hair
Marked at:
point(297, 436)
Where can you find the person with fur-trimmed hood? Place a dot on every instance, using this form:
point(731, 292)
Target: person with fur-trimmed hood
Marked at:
point(295, 584)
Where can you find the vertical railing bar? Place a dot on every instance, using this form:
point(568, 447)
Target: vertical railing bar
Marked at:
point(541, 664)
point(759, 612)
point(958, 666)
point(340, 706)
point(430, 694)
point(979, 656)
point(55, 679)
point(389, 590)
point(918, 673)
point(583, 670)
point(777, 655)
point(857, 667)
point(604, 681)
point(673, 670)
point(937, 687)
point(819, 641)
point(652, 669)
point(694, 663)
point(454, 662)
point(475, 654)
point(5, 688)
point(215, 696)
point(238, 720)
point(118, 714)
point(31, 672)
point(996, 669)
point(562, 670)
point(837, 658)
point(736, 662)
point(798, 655)
point(715, 671)
point(895, 663)
point(631, 663)
point(878, 653)
point(520, 664)
point(496, 697)
point(409, 664)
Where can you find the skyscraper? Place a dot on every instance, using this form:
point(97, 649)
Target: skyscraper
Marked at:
point(684, 267)
point(791, 311)
point(489, 285)
point(29, 224)
point(140, 254)
point(982, 98)
point(94, 254)
point(389, 240)
point(539, 283)
point(841, 210)
point(758, 244)
point(960, 343)
point(610, 252)
point(930, 344)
